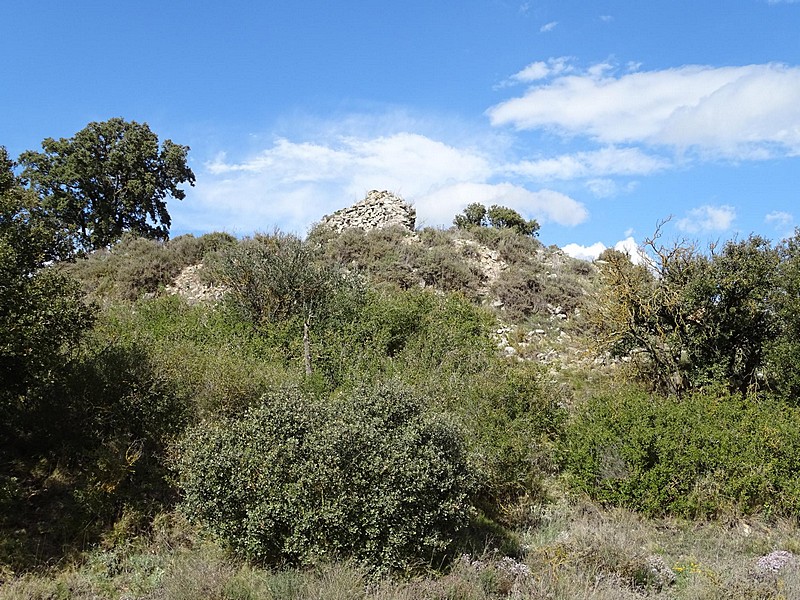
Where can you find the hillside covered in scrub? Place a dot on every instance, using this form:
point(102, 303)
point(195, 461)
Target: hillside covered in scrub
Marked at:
point(380, 411)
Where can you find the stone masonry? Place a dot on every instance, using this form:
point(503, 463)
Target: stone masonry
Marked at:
point(378, 209)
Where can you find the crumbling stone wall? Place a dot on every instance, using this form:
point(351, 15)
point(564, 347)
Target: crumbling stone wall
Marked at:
point(378, 209)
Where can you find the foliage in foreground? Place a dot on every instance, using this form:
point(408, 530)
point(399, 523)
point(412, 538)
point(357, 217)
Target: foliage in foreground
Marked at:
point(572, 553)
point(368, 476)
point(699, 456)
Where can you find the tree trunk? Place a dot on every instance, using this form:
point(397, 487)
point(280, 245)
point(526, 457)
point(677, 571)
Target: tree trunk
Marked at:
point(307, 346)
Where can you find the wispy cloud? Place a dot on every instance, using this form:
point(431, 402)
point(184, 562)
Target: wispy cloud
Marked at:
point(779, 218)
point(741, 112)
point(707, 219)
point(782, 223)
point(607, 188)
point(537, 70)
point(604, 162)
point(548, 26)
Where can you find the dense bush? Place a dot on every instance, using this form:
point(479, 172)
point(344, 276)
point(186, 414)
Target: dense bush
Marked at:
point(42, 313)
point(275, 277)
point(280, 286)
point(516, 419)
point(696, 457)
point(520, 291)
point(89, 446)
point(368, 475)
point(214, 360)
point(417, 335)
point(385, 255)
point(391, 255)
point(698, 318)
point(440, 346)
point(135, 267)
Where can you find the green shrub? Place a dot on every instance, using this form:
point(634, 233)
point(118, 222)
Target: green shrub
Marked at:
point(275, 278)
point(383, 256)
point(215, 361)
point(416, 334)
point(135, 267)
point(444, 268)
point(510, 245)
point(520, 291)
point(695, 457)
point(516, 419)
point(503, 217)
point(192, 250)
point(368, 475)
point(440, 346)
point(476, 215)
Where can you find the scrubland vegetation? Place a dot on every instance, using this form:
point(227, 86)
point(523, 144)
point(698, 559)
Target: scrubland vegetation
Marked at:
point(372, 415)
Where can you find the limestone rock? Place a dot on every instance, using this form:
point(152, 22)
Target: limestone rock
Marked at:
point(379, 209)
point(774, 562)
point(190, 286)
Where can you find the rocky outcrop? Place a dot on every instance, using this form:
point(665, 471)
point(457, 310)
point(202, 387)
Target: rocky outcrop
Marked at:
point(770, 565)
point(378, 209)
point(189, 285)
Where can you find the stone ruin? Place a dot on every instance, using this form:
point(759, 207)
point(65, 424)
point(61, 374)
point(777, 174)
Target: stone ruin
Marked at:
point(378, 209)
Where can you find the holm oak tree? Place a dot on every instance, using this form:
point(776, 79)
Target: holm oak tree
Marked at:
point(109, 178)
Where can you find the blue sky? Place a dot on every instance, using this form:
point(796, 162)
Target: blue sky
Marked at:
point(598, 118)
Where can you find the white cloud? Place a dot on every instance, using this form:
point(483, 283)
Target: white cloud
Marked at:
point(291, 184)
point(779, 218)
point(606, 18)
point(542, 69)
point(742, 111)
point(627, 246)
point(608, 188)
point(548, 26)
point(631, 248)
point(604, 162)
point(782, 222)
point(707, 219)
point(396, 158)
point(602, 188)
point(584, 252)
point(543, 205)
point(412, 163)
point(534, 71)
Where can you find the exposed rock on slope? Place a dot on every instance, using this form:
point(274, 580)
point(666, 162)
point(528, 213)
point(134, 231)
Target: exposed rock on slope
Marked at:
point(190, 286)
point(379, 209)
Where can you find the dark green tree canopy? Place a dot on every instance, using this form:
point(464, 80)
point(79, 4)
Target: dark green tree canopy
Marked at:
point(499, 217)
point(109, 178)
point(473, 216)
point(699, 318)
point(41, 311)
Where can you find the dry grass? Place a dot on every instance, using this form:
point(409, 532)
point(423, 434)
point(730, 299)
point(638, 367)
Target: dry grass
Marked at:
point(574, 551)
